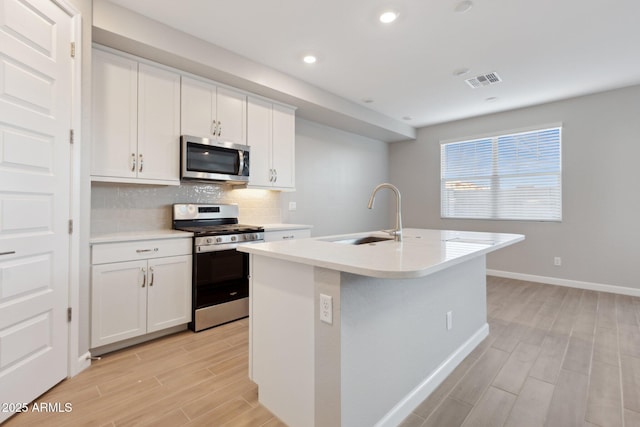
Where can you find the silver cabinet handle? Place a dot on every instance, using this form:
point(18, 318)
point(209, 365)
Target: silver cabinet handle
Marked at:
point(275, 171)
point(133, 162)
point(144, 277)
point(140, 251)
point(271, 175)
point(288, 237)
point(7, 253)
point(233, 293)
point(214, 128)
point(151, 279)
point(141, 163)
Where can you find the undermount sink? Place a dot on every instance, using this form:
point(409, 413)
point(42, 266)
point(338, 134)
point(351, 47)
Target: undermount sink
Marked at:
point(362, 240)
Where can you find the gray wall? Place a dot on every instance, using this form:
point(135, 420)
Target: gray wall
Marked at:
point(335, 174)
point(599, 236)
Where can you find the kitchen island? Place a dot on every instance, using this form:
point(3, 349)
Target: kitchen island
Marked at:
point(355, 330)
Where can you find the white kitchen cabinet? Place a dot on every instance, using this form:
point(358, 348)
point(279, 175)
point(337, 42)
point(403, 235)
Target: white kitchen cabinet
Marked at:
point(138, 288)
point(115, 115)
point(271, 136)
point(136, 121)
point(286, 234)
point(213, 111)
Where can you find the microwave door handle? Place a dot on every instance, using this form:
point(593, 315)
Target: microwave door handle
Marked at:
point(241, 157)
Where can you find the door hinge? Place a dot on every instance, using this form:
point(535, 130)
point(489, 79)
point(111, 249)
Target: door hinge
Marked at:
point(70, 136)
point(68, 314)
point(70, 226)
point(73, 49)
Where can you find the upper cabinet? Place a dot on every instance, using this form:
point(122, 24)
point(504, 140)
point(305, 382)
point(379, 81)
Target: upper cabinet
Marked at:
point(140, 109)
point(136, 121)
point(271, 136)
point(213, 111)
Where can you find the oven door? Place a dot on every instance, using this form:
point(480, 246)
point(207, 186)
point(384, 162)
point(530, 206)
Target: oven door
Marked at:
point(220, 277)
point(206, 159)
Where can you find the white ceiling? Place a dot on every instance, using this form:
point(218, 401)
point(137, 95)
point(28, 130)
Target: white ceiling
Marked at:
point(543, 50)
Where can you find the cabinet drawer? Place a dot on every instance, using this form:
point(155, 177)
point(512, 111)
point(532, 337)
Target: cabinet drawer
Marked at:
point(103, 253)
point(272, 236)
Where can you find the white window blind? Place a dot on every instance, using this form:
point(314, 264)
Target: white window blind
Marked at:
point(513, 177)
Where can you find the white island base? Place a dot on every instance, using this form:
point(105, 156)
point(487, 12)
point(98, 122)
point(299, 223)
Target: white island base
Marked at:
point(389, 345)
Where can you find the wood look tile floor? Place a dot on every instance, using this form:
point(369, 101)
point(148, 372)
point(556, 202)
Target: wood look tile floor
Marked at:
point(554, 357)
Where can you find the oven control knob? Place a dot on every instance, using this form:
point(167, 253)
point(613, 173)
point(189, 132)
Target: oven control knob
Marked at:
point(208, 240)
point(233, 238)
point(218, 239)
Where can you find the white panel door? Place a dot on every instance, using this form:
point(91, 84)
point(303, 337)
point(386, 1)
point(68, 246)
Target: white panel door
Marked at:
point(158, 124)
point(35, 118)
point(169, 292)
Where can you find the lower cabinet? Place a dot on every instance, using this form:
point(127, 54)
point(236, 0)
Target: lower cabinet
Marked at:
point(133, 298)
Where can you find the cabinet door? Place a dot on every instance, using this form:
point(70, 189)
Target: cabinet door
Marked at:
point(158, 124)
point(284, 146)
point(231, 111)
point(169, 292)
point(197, 105)
point(114, 128)
point(259, 139)
point(118, 301)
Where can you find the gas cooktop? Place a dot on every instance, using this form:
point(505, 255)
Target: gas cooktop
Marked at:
point(221, 229)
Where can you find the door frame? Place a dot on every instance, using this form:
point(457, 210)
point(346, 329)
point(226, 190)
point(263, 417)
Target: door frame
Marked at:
point(76, 362)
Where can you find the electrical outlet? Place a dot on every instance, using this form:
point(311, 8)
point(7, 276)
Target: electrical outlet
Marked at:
point(557, 261)
point(292, 206)
point(449, 320)
point(326, 308)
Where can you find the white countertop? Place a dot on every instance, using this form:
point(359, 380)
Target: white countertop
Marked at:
point(281, 227)
point(422, 252)
point(127, 236)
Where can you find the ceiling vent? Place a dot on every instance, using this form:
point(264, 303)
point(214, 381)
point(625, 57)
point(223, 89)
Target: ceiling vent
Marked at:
point(484, 80)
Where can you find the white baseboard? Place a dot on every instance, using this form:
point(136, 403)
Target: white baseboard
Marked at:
point(411, 401)
point(566, 282)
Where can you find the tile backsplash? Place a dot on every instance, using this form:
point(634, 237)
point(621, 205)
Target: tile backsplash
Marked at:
point(130, 207)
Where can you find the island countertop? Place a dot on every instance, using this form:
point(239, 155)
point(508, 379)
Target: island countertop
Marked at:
point(420, 253)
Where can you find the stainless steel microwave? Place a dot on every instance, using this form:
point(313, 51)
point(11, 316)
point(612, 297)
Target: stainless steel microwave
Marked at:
point(206, 159)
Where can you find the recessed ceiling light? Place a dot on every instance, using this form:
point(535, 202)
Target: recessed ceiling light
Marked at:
point(309, 59)
point(388, 17)
point(367, 100)
point(407, 118)
point(491, 99)
point(463, 6)
point(460, 71)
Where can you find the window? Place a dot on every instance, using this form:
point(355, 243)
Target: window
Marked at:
point(513, 177)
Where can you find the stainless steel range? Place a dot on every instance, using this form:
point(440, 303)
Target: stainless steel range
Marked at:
point(220, 273)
